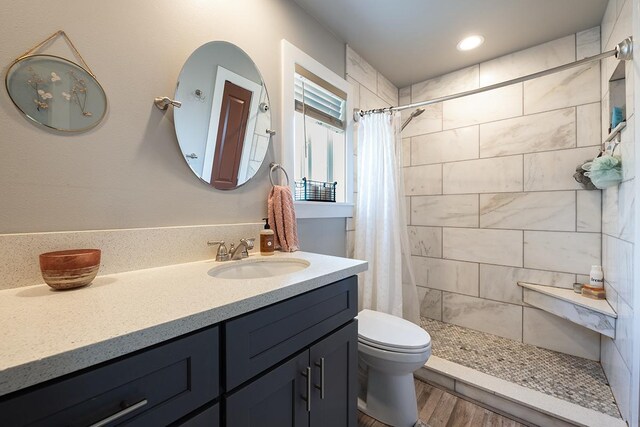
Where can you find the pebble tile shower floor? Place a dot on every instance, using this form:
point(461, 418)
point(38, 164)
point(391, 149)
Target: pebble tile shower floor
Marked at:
point(574, 379)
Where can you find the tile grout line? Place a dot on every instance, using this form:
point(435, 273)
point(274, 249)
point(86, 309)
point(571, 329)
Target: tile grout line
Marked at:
point(498, 265)
point(522, 322)
point(491, 300)
point(566, 190)
point(523, 113)
point(507, 118)
point(479, 207)
point(576, 210)
point(523, 246)
point(479, 281)
point(533, 230)
point(502, 156)
point(441, 242)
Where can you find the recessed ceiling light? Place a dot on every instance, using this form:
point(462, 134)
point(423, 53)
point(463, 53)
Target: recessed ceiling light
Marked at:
point(470, 42)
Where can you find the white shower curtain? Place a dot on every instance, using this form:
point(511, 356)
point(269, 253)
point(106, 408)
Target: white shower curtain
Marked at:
point(381, 236)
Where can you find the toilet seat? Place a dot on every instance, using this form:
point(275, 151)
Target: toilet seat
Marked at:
point(394, 349)
point(390, 333)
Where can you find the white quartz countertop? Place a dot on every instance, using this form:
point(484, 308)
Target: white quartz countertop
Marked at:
point(46, 334)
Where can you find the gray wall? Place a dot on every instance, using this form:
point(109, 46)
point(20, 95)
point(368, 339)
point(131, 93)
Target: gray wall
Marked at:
point(323, 236)
point(128, 172)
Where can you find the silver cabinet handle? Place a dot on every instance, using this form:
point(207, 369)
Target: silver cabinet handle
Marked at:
point(120, 414)
point(321, 386)
point(307, 374)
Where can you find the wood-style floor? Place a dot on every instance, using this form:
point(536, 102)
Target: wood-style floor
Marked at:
point(437, 408)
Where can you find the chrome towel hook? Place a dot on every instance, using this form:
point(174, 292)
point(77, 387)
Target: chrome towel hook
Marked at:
point(274, 167)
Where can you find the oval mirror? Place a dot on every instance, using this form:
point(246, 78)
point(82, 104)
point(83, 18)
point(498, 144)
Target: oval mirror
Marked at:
point(222, 125)
point(56, 93)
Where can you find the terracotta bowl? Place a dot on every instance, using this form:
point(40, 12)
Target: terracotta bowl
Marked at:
point(70, 269)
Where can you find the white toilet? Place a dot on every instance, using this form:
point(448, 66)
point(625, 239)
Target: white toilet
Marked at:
point(390, 349)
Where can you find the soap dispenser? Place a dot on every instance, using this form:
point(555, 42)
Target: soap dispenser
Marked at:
point(267, 245)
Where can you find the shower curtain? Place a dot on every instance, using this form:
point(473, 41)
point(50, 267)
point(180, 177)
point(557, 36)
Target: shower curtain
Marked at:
point(381, 236)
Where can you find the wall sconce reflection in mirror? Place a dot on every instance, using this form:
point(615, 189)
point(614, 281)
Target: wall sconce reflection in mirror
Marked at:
point(163, 102)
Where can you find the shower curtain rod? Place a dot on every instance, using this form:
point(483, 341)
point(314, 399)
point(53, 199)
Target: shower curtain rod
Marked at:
point(623, 52)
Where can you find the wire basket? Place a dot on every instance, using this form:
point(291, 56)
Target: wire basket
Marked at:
point(315, 191)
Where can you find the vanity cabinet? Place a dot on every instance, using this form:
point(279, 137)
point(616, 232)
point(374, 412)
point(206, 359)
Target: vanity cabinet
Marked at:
point(152, 387)
point(293, 363)
point(316, 387)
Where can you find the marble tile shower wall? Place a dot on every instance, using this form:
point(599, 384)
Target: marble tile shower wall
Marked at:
point(491, 197)
point(618, 212)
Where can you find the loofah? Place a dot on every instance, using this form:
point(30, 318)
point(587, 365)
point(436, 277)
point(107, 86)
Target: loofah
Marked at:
point(605, 171)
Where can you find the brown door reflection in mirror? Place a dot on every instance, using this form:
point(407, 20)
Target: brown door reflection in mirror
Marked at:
point(231, 130)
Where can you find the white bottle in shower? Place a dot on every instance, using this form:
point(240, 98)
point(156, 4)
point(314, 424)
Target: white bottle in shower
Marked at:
point(596, 277)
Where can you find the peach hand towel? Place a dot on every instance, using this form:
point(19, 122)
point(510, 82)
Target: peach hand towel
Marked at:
point(282, 218)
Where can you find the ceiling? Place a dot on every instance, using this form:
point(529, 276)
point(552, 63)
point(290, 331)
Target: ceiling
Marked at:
point(412, 40)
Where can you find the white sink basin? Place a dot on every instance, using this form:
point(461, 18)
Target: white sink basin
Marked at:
point(258, 268)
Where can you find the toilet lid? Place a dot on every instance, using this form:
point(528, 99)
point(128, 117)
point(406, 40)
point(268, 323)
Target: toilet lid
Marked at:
point(390, 332)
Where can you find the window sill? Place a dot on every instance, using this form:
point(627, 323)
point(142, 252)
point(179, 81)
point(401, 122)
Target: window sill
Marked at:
point(323, 210)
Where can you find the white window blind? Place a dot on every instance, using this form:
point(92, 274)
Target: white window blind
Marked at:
point(320, 100)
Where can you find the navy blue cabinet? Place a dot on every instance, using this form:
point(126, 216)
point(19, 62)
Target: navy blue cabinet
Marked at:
point(155, 387)
point(334, 362)
point(291, 364)
point(276, 399)
point(206, 417)
point(317, 387)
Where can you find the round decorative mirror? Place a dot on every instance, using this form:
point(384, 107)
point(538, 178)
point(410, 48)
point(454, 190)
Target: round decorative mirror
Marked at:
point(224, 121)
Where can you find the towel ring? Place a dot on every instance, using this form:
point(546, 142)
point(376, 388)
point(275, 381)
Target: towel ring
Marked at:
point(275, 166)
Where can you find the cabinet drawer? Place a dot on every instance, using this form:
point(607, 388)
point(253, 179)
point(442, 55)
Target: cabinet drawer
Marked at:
point(261, 339)
point(163, 384)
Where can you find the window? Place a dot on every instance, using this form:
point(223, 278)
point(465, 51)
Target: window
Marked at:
point(319, 132)
point(317, 143)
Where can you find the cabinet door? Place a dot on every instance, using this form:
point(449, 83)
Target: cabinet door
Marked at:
point(209, 417)
point(334, 362)
point(277, 399)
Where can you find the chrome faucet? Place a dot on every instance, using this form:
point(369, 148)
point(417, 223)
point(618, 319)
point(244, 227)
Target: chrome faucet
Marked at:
point(245, 244)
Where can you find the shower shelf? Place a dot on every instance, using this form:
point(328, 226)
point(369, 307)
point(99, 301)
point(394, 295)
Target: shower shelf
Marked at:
point(616, 132)
point(596, 315)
